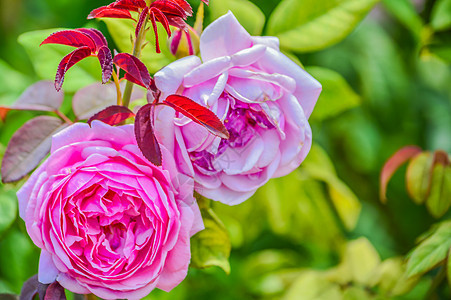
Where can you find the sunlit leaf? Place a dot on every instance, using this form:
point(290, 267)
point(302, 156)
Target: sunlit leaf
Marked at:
point(28, 146)
point(418, 177)
point(441, 15)
point(336, 97)
point(134, 68)
point(303, 25)
point(8, 209)
point(247, 13)
point(439, 199)
point(211, 246)
point(312, 285)
point(430, 252)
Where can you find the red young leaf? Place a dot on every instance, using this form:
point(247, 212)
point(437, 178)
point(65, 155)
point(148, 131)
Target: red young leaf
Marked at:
point(205, 1)
point(185, 6)
point(134, 68)
point(154, 26)
point(110, 12)
point(96, 36)
point(163, 20)
point(198, 114)
point(106, 63)
point(28, 146)
point(145, 136)
point(3, 113)
point(72, 38)
point(142, 18)
point(132, 5)
point(392, 164)
point(112, 115)
point(171, 7)
point(55, 292)
point(67, 62)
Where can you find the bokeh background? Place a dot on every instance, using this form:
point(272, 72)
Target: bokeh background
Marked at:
point(386, 85)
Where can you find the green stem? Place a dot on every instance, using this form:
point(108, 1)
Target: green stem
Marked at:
point(118, 88)
point(136, 52)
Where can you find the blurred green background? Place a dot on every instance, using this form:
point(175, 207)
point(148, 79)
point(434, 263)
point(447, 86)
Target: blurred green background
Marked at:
point(387, 84)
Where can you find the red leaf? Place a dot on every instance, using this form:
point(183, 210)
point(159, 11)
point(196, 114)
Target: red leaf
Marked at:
point(55, 292)
point(392, 164)
point(134, 68)
point(198, 114)
point(4, 112)
point(205, 1)
point(163, 20)
point(112, 115)
point(109, 12)
point(67, 62)
point(72, 38)
point(145, 136)
point(96, 36)
point(154, 26)
point(33, 287)
point(132, 5)
point(185, 6)
point(106, 63)
point(142, 18)
point(28, 146)
point(172, 7)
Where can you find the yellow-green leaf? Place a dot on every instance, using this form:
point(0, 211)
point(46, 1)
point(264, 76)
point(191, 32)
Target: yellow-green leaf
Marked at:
point(431, 251)
point(441, 15)
point(305, 25)
point(418, 177)
point(247, 13)
point(211, 246)
point(336, 97)
point(439, 199)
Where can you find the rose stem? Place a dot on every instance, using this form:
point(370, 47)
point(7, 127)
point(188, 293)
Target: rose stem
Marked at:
point(136, 52)
point(118, 88)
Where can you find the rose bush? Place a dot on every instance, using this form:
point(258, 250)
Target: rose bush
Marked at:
point(107, 220)
point(264, 99)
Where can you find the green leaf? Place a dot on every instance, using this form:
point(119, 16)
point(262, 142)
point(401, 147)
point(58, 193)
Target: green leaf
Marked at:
point(304, 25)
point(430, 252)
point(122, 30)
point(405, 12)
point(312, 285)
point(439, 199)
point(441, 15)
point(418, 177)
point(45, 60)
point(360, 260)
point(8, 209)
point(13, 83)
point(18, 259)
point(247, 13)
point(336, 97)
point(211, 246)
point(320, 167)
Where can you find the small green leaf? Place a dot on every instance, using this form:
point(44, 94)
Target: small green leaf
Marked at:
point(211, 246)
point(336, 97)
point(305, 26)
point(361, 259)
point(405, 12)
point(8, 209)
point(247, 13)
point(45, 60)
point(122, 30)
point(418, 177)
point(441, 15)
point(430, 252)
point(439, 199)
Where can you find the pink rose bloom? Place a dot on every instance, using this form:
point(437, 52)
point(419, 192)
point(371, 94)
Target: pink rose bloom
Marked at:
point(263, 98)
point(107, 220)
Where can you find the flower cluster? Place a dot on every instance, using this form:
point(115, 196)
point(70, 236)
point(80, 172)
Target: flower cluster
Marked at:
point(113, 206)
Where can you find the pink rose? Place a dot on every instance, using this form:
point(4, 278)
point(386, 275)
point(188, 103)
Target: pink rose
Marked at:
point(108, 221)
point(263, 98)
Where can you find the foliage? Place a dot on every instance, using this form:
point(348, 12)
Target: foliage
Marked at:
point(320, 232)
